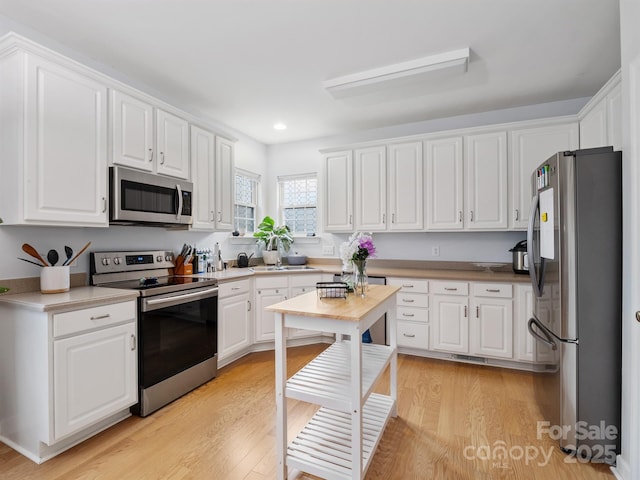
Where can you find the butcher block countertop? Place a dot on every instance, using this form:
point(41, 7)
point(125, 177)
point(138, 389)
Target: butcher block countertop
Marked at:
point(352, 309)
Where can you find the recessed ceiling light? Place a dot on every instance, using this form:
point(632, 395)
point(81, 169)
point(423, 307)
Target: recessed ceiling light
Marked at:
point(280, 126)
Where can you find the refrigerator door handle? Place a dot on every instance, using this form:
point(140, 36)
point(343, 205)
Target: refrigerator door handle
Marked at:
point(538, 285)
point(545, 337)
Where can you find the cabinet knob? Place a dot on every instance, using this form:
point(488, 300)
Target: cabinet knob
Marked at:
point(409, 335)
point(100, 317)
point(638, 316)
point(460, 216)
point(133, 342)
point(408, 300)
point(471, 216)
point(408, 315)
point(477, 312)
point(517, 215)
point(248, 305)
point(104, 204)
point(151, 154)
point(161, 158)
point(465, 311)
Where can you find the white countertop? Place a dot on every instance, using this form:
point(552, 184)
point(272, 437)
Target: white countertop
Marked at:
point(77, 297)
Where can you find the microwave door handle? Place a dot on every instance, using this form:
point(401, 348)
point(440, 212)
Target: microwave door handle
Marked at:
point(546, 339)
point(179, 211)
point(533, 274)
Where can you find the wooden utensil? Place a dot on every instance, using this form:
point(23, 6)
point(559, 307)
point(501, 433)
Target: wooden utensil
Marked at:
point(79, 253)
point(33, 252)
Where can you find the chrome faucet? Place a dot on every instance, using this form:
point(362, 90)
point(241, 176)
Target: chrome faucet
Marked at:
point(279, 250)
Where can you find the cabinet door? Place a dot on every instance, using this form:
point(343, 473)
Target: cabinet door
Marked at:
point(225, 182)
point(132, 132)
point(202, 169)
point(524, 310)
point(593, 127)
point(233, 325)
point(172, 145)
point(444, 184)
point(94, 376)
point(529, 148)
point(65, 172)
point(265, 321)
point(491, 329)
point(450, 324)
point(338, 201)
point(371, 189)
point(406, 171)
point(486, 174)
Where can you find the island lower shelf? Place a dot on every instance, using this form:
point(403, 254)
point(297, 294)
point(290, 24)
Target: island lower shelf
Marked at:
point(323, 447)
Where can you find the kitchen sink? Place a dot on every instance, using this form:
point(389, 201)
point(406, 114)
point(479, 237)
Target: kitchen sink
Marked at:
point(283, 268)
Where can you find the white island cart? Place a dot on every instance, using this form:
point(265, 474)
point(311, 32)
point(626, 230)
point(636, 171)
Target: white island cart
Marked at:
point(341, 438)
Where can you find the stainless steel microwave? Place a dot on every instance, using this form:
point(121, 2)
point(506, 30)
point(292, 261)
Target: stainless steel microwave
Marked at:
point(139, 198)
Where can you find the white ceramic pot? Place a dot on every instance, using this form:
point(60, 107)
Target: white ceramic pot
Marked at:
point(54, 279)
point(270, 257)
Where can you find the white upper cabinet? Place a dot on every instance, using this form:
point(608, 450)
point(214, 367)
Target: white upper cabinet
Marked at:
point(389, 189)
point(444, 184)
point(172, 145)
point(54, 142)
point(132, 131)
point(132, 137)
point(529, 147)
point(203, 170)
point(371, 188)
point(224, 183)
point(601, 118)
point(406, 175)
point(466, 182)
point(338, 197)
point(485, 164)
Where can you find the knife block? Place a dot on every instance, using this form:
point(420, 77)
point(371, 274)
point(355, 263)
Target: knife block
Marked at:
point(182, 268)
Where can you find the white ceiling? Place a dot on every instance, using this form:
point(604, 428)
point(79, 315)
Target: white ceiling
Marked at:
point(252, 63)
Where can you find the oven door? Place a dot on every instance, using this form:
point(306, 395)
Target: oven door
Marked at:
point(176, 332)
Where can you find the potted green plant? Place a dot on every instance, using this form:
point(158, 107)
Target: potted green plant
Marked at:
point(270, 236)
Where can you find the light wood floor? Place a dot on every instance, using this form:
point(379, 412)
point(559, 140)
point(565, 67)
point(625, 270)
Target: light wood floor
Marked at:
point(225, 430)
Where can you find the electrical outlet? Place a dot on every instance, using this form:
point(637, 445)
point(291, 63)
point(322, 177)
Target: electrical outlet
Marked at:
point(435, 251)
point(328, 250)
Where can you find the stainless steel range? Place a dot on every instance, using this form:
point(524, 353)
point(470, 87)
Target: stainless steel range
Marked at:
point(177, 323)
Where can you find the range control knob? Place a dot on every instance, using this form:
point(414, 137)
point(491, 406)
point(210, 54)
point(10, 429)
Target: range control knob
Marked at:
point(106, 261)
point(116, 260)
point(168, 258)
point(159, 258)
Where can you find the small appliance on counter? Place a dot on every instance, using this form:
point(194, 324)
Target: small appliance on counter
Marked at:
point(242, 261)
point(520, 258)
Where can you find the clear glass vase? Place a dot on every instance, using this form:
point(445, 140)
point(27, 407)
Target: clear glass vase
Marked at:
point(361, 281)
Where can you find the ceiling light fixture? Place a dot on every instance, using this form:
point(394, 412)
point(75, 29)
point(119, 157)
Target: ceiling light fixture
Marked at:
point(362, 82)
point(280, 126)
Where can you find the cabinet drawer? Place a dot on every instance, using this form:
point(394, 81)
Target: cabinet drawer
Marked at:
point(502, 290)
point(450, 288)
point(414, 335)
point(413, 314)
point(409, 285)
point(233, 288)
point(305, 280)
point(412, 300)
point(295, 291)
point(272, 281)
point(92, 318)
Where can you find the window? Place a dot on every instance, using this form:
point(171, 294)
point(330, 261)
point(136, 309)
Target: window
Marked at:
point(246, 197)
point(297, 199)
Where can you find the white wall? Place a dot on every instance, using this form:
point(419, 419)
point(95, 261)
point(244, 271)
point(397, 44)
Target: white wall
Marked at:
point(628, 465)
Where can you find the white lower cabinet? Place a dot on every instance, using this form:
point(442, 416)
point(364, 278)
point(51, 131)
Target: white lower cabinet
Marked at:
point(412, 312)
point(472, 319)
point(94, 375)
point(491, 326)
point(524, 310)
point(66, 374)
point(234, 318)
point(276, 288)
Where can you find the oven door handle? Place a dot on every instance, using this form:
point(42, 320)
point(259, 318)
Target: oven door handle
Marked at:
point(178, 299)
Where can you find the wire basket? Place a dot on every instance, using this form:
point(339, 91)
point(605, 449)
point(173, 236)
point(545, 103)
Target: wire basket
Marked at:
point(332, 289)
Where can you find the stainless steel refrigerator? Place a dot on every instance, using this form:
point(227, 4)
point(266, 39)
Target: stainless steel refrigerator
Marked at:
point(574, 244)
